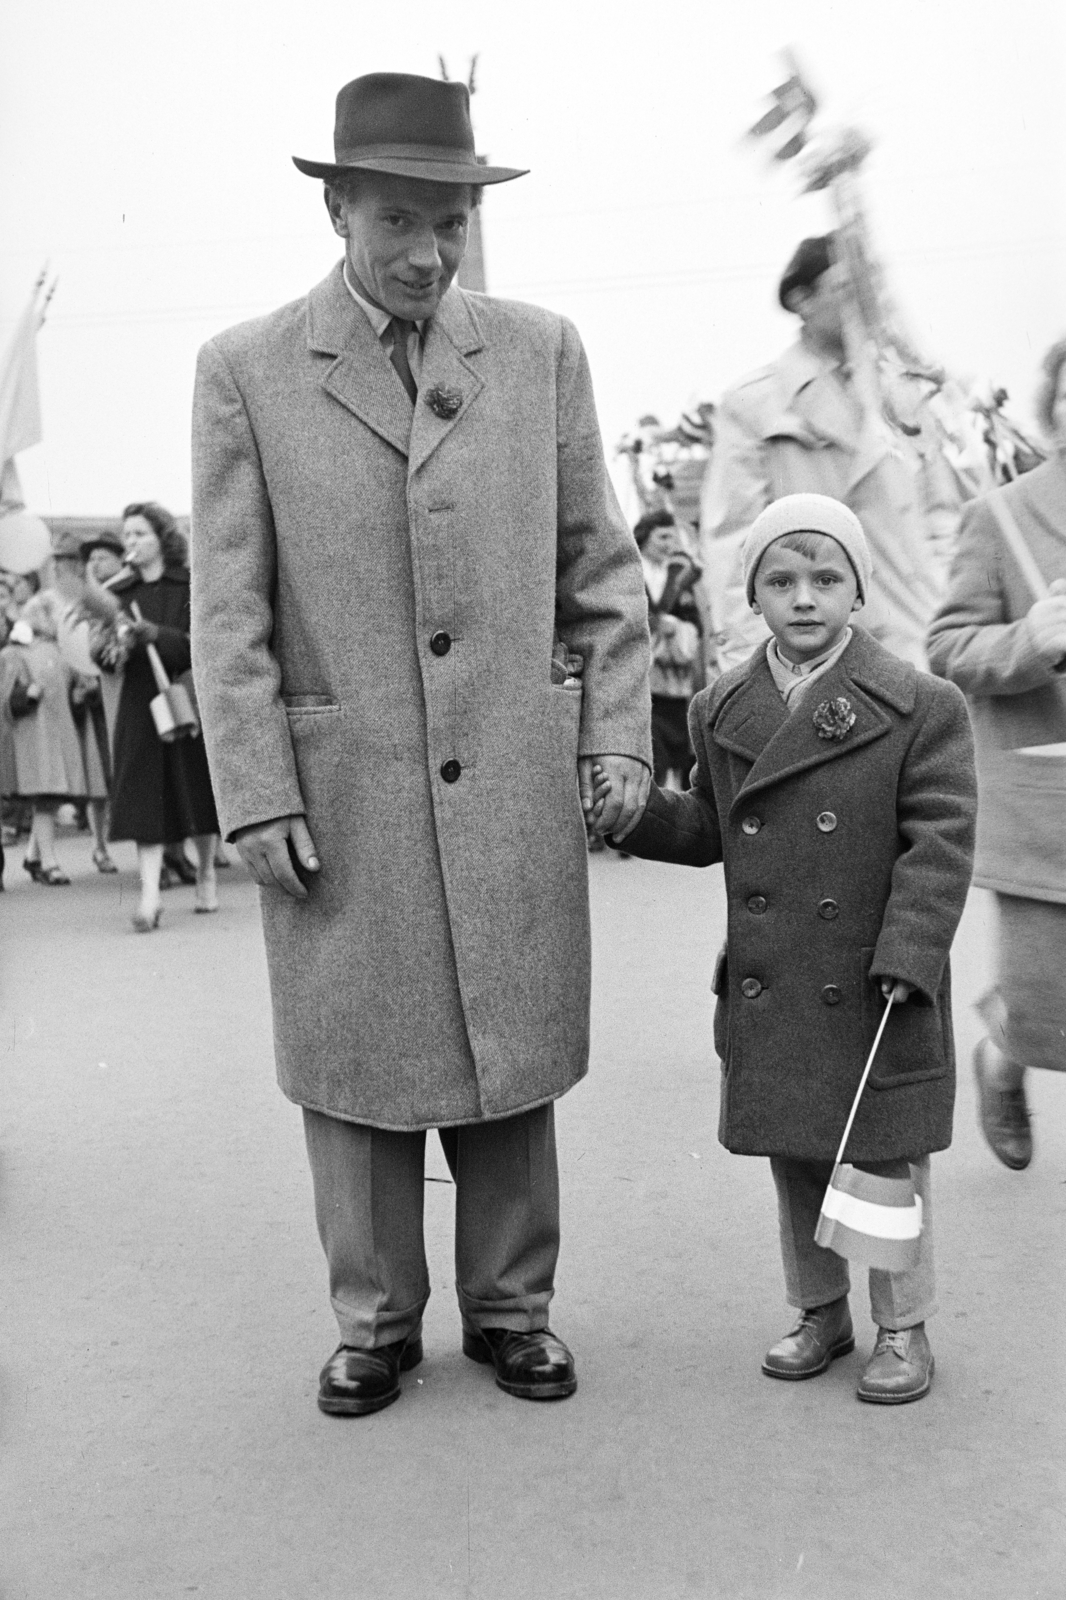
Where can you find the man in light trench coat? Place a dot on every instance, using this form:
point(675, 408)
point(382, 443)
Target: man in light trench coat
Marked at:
point(401, 511)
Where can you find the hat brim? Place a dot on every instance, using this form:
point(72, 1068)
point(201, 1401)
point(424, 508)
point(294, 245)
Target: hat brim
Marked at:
point(412, 167)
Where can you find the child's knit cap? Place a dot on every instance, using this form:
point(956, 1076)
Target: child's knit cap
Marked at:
point(807, 513)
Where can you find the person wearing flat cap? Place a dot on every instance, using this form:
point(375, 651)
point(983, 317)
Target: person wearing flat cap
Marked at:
point(402, 522)
point(800, 425)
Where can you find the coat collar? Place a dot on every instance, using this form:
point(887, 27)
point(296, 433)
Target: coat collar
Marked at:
point(362, 377)
point(755, 724)
point(1043, 494)
point(812, 409)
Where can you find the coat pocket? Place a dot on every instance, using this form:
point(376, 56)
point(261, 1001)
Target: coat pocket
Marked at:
point(917, 1044)
point(720, 989)
point(309, 704)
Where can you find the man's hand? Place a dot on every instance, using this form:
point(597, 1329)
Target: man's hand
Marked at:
point(267, 849)
point(896, 989)
point(623, 808)
point(1047, 619)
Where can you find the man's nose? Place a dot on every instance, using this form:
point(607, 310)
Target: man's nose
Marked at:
point(424, 253)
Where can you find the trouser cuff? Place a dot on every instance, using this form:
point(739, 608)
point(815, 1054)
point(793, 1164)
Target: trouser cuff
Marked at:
point(387, 1327)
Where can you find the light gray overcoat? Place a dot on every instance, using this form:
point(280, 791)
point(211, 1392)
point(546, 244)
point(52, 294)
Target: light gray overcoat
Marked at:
point(439, 971)
point(981, 640)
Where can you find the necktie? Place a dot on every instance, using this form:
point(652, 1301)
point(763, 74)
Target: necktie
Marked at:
point(401, 330)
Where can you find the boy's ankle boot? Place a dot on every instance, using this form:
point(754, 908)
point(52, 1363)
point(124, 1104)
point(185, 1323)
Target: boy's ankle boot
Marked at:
point(900, 1369)
point(821, 1334)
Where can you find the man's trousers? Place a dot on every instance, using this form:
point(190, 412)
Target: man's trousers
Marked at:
point(369, 1185)
point(814, 1276)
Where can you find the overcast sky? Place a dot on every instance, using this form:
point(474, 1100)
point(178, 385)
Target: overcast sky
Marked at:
point(146, 151)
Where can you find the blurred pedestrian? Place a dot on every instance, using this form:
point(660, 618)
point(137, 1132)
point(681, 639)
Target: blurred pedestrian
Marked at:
point(670, 574)
point(804, 424)
point(1005, 647)
point(162, 792)
point(103, 553)
point(42, 754)
point(86, 696)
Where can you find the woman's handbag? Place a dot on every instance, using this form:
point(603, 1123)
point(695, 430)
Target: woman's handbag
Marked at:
point(1023, 792)
point(172, 708)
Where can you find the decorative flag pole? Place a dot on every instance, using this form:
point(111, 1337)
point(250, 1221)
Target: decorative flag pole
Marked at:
point(871, 1218)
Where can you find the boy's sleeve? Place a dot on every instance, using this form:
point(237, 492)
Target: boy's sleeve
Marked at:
point(937, 811)
point(682, 828)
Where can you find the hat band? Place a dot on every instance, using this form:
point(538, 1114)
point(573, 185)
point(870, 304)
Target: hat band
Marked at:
point(409, 152)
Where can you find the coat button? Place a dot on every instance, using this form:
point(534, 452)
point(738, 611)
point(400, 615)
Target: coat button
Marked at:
point(828, 909)
point(450, 771)
point(751, 988)
point(757, 904)
point(440, 643)
point(831, 994)
point(826, 821)
point(750, 825)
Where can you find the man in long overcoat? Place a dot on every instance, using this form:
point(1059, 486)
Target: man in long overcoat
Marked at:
point(799, 425)
point(401, 517)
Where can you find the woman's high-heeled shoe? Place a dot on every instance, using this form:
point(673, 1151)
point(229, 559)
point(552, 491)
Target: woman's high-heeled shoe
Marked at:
point(206, 896)
point(144, 923)
point(102, 861)
point(34, 869)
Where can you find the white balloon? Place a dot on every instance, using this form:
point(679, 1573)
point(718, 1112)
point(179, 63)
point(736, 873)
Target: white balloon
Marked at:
point(25, 543)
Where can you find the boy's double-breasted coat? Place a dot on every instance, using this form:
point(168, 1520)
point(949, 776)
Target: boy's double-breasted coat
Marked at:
point(846, 860)
point(375, 592)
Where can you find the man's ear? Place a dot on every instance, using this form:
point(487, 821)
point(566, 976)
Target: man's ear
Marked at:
point(335, 207)
point(757, 608)
point(858, 603)
point(796, 300)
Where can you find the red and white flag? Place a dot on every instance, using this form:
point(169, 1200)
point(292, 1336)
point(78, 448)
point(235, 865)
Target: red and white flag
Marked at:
point(873, 1219)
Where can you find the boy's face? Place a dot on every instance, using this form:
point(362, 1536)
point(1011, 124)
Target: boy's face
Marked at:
point(806, 603)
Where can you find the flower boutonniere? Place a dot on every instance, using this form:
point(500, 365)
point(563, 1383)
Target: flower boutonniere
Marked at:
point(834, 719)
point(444, 402)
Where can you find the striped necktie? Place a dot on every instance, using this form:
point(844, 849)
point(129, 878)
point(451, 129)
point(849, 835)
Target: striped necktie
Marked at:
point(401, 330)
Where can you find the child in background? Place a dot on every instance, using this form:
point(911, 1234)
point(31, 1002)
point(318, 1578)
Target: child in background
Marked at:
point(837, 784)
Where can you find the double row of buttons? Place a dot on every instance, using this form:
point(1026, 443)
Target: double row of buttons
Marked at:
point(751, 989)
point(825, 822)
point(758, 903)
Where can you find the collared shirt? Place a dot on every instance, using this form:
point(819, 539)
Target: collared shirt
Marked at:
point(381, 322)
point(793, 679)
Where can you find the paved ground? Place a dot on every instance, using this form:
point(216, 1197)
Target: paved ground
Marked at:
point(164, 1314)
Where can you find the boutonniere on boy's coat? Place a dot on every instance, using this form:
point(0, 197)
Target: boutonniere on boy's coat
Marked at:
point(834, 719)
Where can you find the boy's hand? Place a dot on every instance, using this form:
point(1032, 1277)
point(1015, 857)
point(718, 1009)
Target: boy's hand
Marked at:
point(896, 989)
point(629, 784)
point(601, 789)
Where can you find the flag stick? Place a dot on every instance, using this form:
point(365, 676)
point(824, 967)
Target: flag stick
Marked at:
point(862, 1086)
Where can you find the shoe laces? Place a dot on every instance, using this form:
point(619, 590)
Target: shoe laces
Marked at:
point(895, 1339)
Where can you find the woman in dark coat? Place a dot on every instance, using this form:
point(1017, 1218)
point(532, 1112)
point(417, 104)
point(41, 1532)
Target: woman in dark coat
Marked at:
point(1006, 649)
point(162, 792)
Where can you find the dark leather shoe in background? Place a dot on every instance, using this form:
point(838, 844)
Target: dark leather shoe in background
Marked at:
point(821, 1334)
point(900, 1369)
point(355, 1382)
point(533, 1366)
point(1004, 1114)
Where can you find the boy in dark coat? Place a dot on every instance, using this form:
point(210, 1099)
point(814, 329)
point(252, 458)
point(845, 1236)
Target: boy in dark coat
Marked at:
point(836, 782)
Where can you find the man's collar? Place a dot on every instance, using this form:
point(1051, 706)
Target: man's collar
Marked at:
point(378, 318)
point(800, 365)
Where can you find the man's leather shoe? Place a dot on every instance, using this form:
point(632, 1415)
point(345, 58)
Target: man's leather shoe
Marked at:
point(1004, 1114)
point(355, 1382)
point(900, 1369)
point(821, 1334)
point(533, 1366)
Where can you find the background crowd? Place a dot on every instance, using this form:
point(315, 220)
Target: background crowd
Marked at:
point(77, 685)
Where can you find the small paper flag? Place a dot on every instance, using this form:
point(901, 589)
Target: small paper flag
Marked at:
point(872, 1219)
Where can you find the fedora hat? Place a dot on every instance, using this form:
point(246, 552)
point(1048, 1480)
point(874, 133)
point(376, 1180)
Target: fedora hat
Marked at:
point(410, 127)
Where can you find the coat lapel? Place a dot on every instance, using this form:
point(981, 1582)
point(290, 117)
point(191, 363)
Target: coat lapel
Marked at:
point(452, 336)
point(756, 725)
point(362, 377)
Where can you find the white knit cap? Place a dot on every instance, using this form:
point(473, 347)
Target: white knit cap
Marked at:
point(807, 513)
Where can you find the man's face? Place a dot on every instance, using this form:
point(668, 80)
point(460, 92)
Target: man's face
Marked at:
point(404, 239)
point(806, 604)
point(103, 562)
point(662, 544)
point(821, 307)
